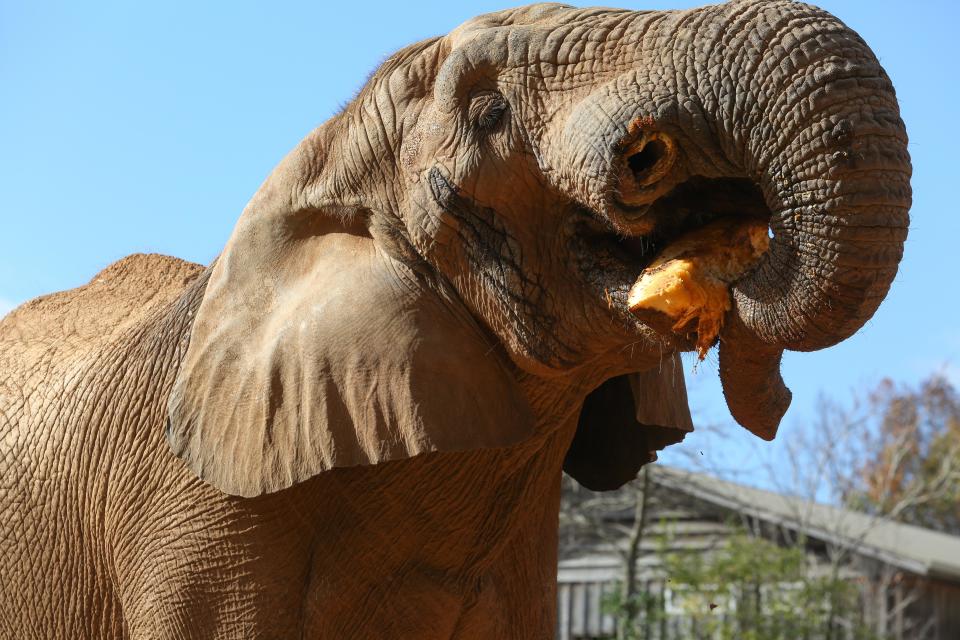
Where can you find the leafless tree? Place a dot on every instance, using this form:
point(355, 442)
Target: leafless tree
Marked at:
point(893, 454)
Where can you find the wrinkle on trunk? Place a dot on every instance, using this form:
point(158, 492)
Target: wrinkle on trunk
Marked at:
point(828, 148)
point(752, 385)
point(815, 122)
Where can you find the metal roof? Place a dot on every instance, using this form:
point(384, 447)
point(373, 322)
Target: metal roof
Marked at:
point(914, 549)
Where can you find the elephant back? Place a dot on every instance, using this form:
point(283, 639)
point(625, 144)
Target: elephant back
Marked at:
point(42, 341)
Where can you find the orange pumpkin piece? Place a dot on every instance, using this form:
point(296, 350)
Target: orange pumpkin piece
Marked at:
point(690, 280)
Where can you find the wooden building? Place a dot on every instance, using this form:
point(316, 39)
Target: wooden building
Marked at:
point(907, 577)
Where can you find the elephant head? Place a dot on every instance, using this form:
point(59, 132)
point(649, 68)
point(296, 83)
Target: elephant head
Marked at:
point(474, 219)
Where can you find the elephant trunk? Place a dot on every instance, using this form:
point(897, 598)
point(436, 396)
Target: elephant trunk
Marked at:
point(828, 149)
point(768, 108)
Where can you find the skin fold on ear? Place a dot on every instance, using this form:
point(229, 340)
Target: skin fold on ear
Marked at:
point(624, 422)
point(313, 349)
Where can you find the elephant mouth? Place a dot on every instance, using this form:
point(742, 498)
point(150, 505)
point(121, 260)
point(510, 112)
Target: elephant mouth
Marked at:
point(611, 259)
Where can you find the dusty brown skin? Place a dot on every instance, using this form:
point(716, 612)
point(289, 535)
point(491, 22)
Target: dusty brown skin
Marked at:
point(352, 425)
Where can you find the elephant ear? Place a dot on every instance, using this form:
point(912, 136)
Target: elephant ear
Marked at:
point(312, 349)
point(624, 422)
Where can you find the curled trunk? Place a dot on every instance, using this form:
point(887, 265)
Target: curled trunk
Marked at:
point(817, 126)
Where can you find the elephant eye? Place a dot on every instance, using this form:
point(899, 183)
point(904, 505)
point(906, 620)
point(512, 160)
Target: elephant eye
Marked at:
point(486, 109)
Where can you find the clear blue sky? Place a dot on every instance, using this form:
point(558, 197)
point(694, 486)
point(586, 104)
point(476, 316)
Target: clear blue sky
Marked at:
point(129, 127)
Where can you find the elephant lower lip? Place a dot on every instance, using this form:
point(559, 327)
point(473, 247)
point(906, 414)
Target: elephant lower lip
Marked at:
point(610, 262)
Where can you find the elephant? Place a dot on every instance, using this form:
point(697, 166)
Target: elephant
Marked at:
point(353, 423)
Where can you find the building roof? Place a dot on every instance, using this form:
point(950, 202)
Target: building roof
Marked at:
point(914, 549)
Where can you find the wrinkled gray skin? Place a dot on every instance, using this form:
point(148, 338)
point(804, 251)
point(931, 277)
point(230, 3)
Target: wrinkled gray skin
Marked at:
point(352, 425)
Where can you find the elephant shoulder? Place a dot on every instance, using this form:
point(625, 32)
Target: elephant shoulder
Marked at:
point(63, 325)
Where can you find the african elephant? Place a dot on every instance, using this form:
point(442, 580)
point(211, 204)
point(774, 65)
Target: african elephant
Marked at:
point(353, 423)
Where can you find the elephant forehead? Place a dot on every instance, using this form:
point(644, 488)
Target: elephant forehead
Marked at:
point(530, 14)
point(544, 32)
point(554, 48)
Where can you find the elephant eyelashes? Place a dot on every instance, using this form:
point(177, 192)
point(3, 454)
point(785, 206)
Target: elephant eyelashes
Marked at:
point(486, 109)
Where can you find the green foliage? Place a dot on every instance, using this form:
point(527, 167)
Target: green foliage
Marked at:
point(747, 589)
point(636, 614)
point(894, 453)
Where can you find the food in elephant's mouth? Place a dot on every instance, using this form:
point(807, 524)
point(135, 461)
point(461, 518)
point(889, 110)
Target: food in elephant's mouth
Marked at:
point(689, 281)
